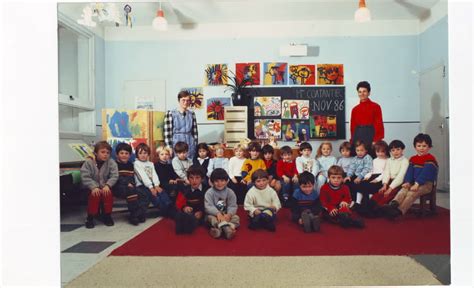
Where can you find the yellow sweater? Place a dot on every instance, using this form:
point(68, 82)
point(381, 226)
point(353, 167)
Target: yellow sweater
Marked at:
point(251, 166)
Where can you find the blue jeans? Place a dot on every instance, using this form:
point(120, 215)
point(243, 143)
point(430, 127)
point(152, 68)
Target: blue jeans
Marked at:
point(162, 201)
point(286, 188)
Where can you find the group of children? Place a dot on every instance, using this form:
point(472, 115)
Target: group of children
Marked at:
point(209, 190)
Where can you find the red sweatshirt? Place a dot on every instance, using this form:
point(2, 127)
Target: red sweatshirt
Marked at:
point(368, 113)
point(331, 198)
point(286, 168)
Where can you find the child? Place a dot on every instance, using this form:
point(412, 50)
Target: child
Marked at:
point(346, 158)
point(392, 178)
point(261, 202)
point(125, 186)
point(270, 163)
point(181, 162)
point(202, 156)
point(325, 160)
point(235, 173)
point(286, 171)
point(220, 205)
point(190, 201)
point(359, 168)
point(99, 175)
point(169, 180)
point(253, 163)
point(419, 179)
point(336, 198)
point(307, 206)
point(219, 161)
point(305, 162)
point(148, 183)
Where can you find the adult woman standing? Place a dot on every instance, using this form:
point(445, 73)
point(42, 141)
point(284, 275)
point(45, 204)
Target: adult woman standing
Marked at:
point(366, 118)
point(181, 125)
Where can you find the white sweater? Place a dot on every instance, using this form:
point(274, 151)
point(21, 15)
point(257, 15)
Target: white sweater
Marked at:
point(307, 164)
point(378, 166)
point(395, 169)
point(145, 174)
point(261, 199)
point(235, 167)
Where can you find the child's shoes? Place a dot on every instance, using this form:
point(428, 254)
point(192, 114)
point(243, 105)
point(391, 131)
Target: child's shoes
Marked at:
point(315, 223)
point(306, 217)
point(215, 232)
point(90, 222)
point(229, 232)
point(108, 220)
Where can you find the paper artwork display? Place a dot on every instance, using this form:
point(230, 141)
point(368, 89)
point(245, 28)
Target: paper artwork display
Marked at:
point(295, 109)
point(82, 150)
point(215, 107)
point(158, 126)
point(215, 75)
point(295, 130)
point(127, 123)
point(275, 73)
point(302, 75)
point(323, 126)
point(267, 106)
point(197, 97)
point(248, 72)
point(330, 74)
point(264, 128)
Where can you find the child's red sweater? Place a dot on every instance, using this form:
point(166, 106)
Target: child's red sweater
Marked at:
point(286, 168)
point(331, 198)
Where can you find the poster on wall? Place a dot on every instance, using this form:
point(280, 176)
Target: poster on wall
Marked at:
point(215, 75)
point(248, 72)
point(330, 74)
point(126, 123)
point(295, 130)
point(267, 106)
point(323, 126)
point(264, 128)
point(295, 109)
point(215, 108)
point(302, 75)
point(275, 73)
point(82, 150)
point(197, 97)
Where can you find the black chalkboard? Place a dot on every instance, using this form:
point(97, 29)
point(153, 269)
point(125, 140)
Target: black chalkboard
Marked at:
point(326, 119)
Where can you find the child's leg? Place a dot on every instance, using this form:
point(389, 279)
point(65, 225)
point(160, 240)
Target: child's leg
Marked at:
point(411, 196)
point(143, 201)
point(285, 189)
point(108, 200)
point(93, 203)
point(165, 204)
point(132, 204)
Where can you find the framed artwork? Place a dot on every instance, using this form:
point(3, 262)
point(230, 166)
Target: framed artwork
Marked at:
point(330, 74)
point(215, 107)
point(215, 75)
point(323, 126)
point(275, 73)
point(295, 109)
point(197, 97)
point(267, 106)
point(264, 128)
point(302, 75)
point(249, 72)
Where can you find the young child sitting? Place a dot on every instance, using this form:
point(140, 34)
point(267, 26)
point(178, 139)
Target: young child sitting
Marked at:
point(235, 173)
point(190, 201)
point(307, 206)
point(202, 156)
point(419, 178)
point(169, 180)
point(305, 162)
point(286, 171)
point(220, 205)
point(346, 159)
point(148, 183)
point(360, 167)
point(219, 161)
point(181, 162)
point(392, 178)
point(253, 163)
point(125, 186)
point(261, 202)
point(325, 160)
point(99, 175)
point(271, 163)
point(336, 198)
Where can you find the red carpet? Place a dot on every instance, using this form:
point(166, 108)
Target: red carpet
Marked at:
point(410, 236)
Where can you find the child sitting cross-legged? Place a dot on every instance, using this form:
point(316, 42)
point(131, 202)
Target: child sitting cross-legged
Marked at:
point(219, 161)
point(261, 202)
point(325, 160)
point(346, 159)
point(306, 207)
point(336, 198)
point(305, 162)
point(235, 173)
point(202, 156)
point(190, 201)
point(169, 180)
point(286, 171)
point(181, 162)
point(253, 163)
point(220, 205)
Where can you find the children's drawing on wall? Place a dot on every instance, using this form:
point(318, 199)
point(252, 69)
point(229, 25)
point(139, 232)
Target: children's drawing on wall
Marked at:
point(216, 74)
point(288, 128)
point(215, 108)
point(330, 74)
point(295, 109)
point(126, 123)
point(302, 75)
point(249, 72)
point(323, 126)
point(197, 97)
point(302, 127)
point(158, 124)
point(264, 128)
point(267, 106)
point(275, 73)
point(82, 150)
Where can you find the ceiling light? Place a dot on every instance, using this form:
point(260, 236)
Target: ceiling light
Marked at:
point(362, 14)
point(160, 23)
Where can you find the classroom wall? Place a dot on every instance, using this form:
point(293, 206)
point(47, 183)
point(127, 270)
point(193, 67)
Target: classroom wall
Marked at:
point(99, 50)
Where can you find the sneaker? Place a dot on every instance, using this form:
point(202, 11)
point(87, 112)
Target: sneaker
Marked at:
point(345, 220)
point(229, 233)
point(392, 213)
point(215, 232)
point(270, 226)
point(108, 221)
point(315, 223)
point(141, 218)
point(306, 217)
point(133, 220)
point(90, 222)
point(394, 204)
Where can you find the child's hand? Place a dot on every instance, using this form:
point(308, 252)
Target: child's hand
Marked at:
point(187, 209)
point(333, 212)
point(344, 204)
point(273, 208)
point(256, 212)
point(244, 182)
point(375, 181)
point(234, 180)
point(295, 179)
point(227, 217)
point(383, 189)
point(415, 187)
point(406, 185)
point(173, 182)
point(300, 221)
point(158, 189)
point(357, 180)
point(153, 191)
point(198, 214)
point(95, 192)
point(347, 179)
point(186, 182)
point(220, 217)
point(106, 190)
point(286, 179)
point(389, 190)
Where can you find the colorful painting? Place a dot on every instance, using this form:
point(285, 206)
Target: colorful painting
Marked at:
point(302, 75)
point(323, 126)
point(295, 130)
point(248, 72)
point(264, 128)
point(275, 73)
point(215, 108)
point(197, 97)
point(330, 74)
point(158, 124)
point(126, 124)
point(267, 106)
point(82, 149)
point(216, 74)
point(295, 109)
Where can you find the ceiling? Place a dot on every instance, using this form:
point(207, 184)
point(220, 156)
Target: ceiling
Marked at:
point(218, 11)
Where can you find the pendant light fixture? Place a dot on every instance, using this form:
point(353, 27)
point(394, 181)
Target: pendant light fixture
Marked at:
point(160, 23)
point(362, 14)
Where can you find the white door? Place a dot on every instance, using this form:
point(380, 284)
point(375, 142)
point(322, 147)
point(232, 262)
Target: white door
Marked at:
point(434, 119)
